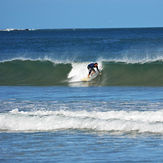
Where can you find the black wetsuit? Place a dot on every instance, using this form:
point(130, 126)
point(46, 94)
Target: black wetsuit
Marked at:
point(91, 67)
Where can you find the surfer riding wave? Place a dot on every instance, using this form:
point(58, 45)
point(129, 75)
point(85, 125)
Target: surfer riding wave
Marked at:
point(91, 69)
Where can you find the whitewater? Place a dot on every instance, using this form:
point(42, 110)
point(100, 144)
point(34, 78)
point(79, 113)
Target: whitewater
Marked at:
point(112, 121)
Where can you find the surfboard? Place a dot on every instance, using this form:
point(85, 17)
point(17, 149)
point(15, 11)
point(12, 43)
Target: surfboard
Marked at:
point(93, 76)
point(86, 79)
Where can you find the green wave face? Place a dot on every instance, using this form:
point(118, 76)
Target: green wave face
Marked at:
point(18, 72)
point(48, 73)
point(136, 74)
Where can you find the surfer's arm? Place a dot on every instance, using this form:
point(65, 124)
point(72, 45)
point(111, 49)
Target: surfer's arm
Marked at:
point(98, 70)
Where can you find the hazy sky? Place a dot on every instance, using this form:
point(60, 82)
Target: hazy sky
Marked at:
point(80, 13)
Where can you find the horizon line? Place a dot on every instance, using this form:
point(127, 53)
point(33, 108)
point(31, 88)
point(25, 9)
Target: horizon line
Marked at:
point(3, 29)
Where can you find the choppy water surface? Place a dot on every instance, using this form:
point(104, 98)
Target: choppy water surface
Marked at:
point(81, 123)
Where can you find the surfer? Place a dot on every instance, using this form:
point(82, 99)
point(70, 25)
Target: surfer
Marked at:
point(91, 69)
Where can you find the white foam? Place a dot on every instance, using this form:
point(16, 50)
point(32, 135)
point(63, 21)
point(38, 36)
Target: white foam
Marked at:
point(121, 121)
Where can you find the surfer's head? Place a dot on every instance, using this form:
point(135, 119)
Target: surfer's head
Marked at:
point(96, 64)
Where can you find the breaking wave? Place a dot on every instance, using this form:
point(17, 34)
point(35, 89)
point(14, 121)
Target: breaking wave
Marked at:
point(96, 121)
point(49, 72)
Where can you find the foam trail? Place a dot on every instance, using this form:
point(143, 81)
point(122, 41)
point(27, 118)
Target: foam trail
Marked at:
point(111, 121)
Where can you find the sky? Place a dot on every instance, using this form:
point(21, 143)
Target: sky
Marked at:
point(52, 14)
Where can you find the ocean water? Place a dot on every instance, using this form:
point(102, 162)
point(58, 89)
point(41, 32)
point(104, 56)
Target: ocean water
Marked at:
point(48, 114)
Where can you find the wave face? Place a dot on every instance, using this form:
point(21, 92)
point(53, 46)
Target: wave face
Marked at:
point(133, 74)
point(33, 72)
point(46, 72)
point(110, 121)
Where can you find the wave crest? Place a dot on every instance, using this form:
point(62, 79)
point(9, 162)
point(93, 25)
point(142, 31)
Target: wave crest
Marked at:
point(111, 121)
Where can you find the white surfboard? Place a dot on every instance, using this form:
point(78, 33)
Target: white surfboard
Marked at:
point(91, 77)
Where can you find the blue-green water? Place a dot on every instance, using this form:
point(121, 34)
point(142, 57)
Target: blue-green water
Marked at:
point(48, 114)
